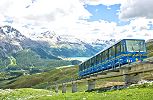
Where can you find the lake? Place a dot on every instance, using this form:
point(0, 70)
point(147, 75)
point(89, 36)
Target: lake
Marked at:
point(79, 58)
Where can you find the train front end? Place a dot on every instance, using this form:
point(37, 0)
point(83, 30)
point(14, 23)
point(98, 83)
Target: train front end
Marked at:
point(135, 50)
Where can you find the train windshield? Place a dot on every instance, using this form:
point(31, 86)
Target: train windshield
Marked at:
point(135, 46)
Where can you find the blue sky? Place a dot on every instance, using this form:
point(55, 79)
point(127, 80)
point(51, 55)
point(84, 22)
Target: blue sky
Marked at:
point(103, 12)
point(85, 19)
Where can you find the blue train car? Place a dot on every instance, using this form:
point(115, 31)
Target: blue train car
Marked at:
point(123, 52)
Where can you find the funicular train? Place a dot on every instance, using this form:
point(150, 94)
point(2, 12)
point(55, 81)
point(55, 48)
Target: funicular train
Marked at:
point(123, 52)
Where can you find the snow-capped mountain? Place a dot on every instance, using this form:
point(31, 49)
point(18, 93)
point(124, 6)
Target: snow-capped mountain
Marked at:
point(48, 44)
point(12, 41)
point(69, 41)
point(11, 33)
point(66, 45)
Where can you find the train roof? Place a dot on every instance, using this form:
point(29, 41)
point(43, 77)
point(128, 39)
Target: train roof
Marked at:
point(107, 48)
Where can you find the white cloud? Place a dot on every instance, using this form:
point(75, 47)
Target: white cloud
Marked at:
point(137, 28)
point(104, 2)
point(52, 14)
point(13, 8)
point(44, 10)
point(66, 17)
point(51, 10)
point(85, 30)
point(136, 8)
point(63, 17)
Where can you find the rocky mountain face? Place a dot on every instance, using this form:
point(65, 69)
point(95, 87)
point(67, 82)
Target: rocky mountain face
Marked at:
point(47, 45)
point(70, 46)
point(12, 41)
point(9, 41)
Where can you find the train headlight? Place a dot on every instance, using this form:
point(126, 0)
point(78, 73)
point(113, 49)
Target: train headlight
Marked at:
point(128, 60)
point(137, 59)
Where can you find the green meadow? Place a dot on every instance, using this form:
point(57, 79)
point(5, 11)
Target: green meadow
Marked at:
point(138, 92)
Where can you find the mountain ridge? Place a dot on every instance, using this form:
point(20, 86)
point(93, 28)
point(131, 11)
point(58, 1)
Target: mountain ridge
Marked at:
point(54, 45)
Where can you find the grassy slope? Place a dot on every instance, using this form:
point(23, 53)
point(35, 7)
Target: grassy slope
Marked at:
point(46, 79)
point(141, 92)
point(41, 80)
point(22, 94)
point(129, 94)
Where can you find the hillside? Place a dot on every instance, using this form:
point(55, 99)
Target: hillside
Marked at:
point(41, 80)
point(62, 74)
point(139, 92)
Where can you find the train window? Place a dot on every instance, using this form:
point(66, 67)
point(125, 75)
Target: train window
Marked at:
point(123, 46)
point(113, 50)
point(94, 60)
point(100, 57)
point(87, 64)
point(105, 54)
point(84, 66)
point(90, 62)
point(135, 45)
point(110, 52)
point(97, 58)
point(103, 57)
point(81, 67)
point(118, 48)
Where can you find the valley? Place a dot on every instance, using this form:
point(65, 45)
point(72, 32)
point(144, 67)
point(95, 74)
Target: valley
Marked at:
point(35, 63)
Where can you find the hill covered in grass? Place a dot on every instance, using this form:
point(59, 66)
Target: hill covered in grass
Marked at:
point(59, 75)
point(41, 80)
point(138, 92)
point(30, 62)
